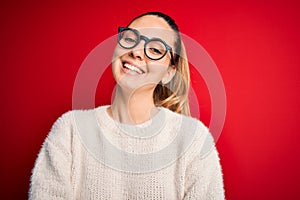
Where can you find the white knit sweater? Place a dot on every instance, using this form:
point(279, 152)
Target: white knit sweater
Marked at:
point(88, 155)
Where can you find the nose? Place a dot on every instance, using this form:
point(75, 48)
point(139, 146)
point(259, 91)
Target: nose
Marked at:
point(138, 51)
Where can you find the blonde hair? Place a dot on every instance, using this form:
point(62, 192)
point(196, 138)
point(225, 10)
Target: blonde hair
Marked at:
point(174, 95)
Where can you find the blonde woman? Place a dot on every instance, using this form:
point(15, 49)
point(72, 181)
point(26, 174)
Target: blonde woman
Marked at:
point(144, 145)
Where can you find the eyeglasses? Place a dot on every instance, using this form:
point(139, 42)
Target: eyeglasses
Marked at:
point(154, 48)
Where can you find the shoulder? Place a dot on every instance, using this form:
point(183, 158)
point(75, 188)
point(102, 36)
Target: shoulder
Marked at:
point(187, 121)
point(66, 125)
point(69, 117)
point(195, 131)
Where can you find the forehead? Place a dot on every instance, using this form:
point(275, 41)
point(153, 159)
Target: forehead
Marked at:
point(153, 26)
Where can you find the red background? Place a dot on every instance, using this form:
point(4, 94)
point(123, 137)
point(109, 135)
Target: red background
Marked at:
point(255, 45)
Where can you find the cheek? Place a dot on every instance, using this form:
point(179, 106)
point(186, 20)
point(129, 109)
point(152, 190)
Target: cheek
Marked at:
point(159, 69)
point(116, 62)
point(166, 61)
point(114, 66)
point(118, 52)
point(161, 65)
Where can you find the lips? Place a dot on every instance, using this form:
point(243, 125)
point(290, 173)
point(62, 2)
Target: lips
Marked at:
point(131, 67)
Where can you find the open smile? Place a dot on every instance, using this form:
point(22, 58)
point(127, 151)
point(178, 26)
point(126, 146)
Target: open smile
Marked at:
point(129, 67)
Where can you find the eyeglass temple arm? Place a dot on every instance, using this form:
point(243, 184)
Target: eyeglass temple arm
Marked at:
point(172, 57)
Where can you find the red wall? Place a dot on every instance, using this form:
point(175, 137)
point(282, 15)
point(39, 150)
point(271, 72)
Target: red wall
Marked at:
point(255, 45)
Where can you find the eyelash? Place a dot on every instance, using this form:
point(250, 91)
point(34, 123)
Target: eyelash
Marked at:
point(155, 50)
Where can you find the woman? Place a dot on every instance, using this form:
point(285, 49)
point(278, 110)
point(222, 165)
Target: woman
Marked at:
point(143, 146)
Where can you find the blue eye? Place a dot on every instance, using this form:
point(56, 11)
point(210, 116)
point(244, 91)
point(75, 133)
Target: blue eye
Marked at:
point(129, 40)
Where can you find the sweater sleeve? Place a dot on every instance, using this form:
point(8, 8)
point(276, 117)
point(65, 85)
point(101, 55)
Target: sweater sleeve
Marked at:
point(204, 179)
point(51, 175)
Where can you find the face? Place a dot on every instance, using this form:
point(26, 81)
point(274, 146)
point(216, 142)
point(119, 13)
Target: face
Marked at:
point(132, 68)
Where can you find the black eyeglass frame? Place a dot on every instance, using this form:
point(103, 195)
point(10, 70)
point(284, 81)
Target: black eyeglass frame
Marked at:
point(147, 40)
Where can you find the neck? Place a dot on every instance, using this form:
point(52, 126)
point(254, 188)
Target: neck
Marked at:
point(133, 107)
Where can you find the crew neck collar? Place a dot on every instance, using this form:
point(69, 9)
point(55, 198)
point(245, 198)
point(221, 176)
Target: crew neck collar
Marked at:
point(147, 129)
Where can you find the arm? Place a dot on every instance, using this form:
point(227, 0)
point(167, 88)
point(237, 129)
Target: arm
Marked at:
point(204, 176)
point(51, 176)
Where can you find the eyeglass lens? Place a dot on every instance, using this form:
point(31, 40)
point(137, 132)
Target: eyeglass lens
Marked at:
point(154, 49)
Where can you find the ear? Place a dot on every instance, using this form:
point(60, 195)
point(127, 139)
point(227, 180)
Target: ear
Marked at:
point(169, 74)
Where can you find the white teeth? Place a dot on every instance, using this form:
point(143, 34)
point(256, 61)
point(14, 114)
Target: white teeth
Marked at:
point(133, 68)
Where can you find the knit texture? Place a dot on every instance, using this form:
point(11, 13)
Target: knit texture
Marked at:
point(170, 156)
